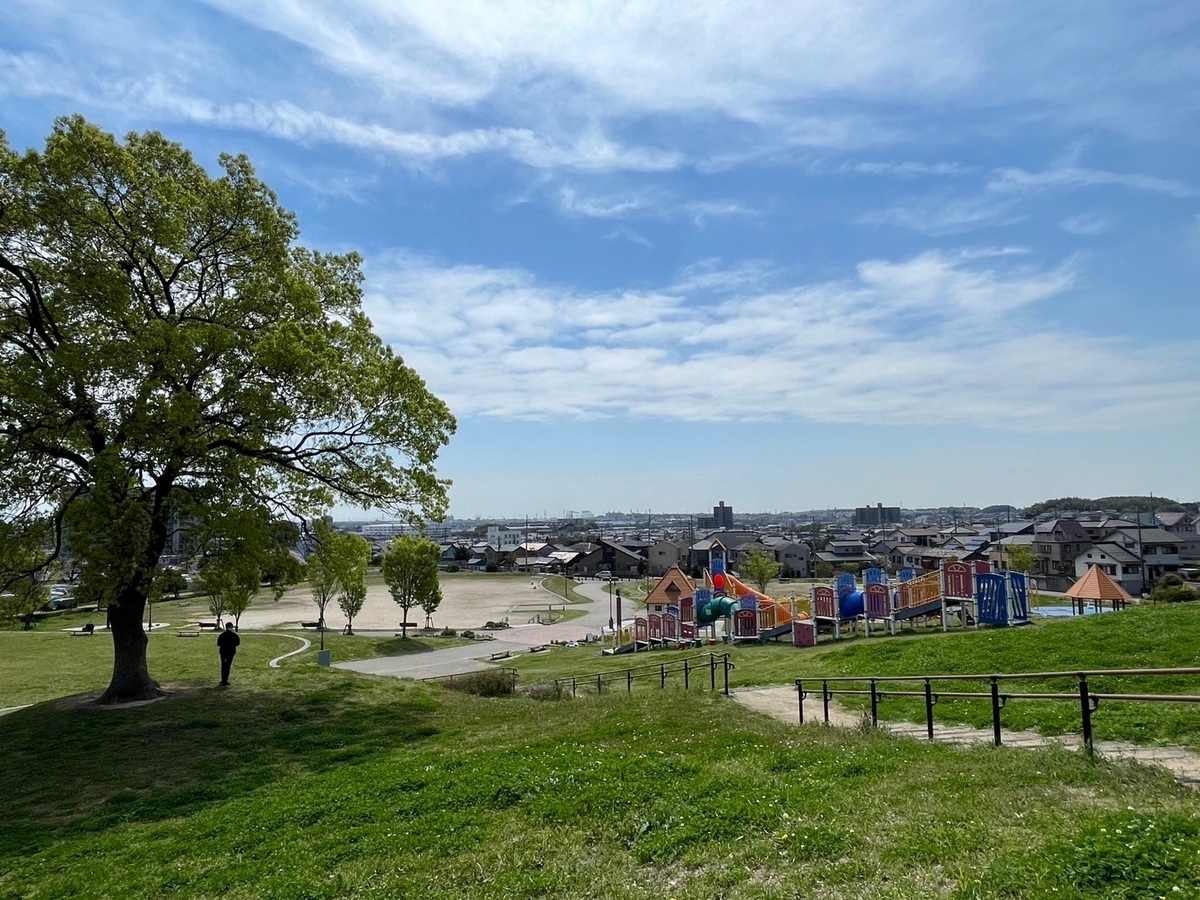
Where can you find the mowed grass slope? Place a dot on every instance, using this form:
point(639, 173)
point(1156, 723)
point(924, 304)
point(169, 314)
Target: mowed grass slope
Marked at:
point(321, 784)
point(1142, 637)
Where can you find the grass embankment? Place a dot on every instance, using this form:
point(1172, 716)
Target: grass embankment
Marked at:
point(565, 588)
point(320, 784)
point(1142, 637)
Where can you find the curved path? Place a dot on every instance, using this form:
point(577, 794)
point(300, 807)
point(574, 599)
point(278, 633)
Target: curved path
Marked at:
point(305, 644)
point(780, 703)
point(475, 657)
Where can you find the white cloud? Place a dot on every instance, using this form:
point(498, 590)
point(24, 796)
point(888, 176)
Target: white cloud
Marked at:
point(941, 214)
point(938, 339)
point(1088, 224)
point(1021, 181)
point(907, 169)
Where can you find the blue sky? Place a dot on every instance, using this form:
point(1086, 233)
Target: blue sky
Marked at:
point(654, 255)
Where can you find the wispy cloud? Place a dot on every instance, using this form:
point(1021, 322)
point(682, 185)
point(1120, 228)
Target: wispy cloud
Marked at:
point(1088, 224)
point(938, 338)
point(1021, 181)
point(907, 169)
point(942, 214)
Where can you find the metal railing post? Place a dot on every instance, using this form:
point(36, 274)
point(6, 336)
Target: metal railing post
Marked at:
point(727, 665)
point(996, 710)
point(928, 709)
point(1085, 708)
point(629, 681)
point(800, 698)
point(573, 687)
point(599, 684)
point(712, 671)
point(825, 699)
point(685, 674)
point(874, 705)
point(662, 675)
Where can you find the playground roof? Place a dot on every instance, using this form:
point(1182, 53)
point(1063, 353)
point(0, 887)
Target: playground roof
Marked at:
point(1095, 585)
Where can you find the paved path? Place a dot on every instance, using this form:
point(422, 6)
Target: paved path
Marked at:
point(518, 639)
point(780, 702)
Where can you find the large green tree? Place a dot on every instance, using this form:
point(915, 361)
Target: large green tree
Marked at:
point(171, 354)
point(410, 570)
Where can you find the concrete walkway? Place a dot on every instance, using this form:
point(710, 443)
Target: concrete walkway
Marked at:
point(780, 703)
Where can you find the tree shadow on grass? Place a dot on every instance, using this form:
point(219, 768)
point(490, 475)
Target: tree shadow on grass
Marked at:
point(69, 766)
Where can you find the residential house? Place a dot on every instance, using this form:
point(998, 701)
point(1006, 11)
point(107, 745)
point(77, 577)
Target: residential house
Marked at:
point(1056, 543)
point(671, 588)
point(794, 557)
point(662, 555)
point(1120, 563)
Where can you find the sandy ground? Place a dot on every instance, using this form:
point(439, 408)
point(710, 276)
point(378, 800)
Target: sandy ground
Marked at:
point(468, 601)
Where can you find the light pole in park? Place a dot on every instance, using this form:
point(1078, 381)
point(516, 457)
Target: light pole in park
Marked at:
point(611, 580)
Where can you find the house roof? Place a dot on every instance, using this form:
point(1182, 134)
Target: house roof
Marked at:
point(825, 556)
point(1112, 550)
point(1150, 535)
point(1170, 519)
point(1095, 585)
point(671, 587)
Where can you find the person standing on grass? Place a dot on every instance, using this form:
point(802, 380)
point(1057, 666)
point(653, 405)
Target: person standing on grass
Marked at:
point(227, 644)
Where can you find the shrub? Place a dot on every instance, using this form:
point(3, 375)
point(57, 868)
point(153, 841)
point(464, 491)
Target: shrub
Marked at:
point(545, 692)
point(448, 632)
point(491, 567)
point(453, 567)
point(1172, 589)
point(487, 683)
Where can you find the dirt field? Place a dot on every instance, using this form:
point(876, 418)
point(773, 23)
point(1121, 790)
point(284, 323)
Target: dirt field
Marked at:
point(467, 602)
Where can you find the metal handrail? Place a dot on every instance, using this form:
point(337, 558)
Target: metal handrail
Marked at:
point(1088, 700)
point(711, 662)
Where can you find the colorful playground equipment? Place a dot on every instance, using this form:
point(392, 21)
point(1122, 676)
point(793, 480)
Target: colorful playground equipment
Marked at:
point(969, 590)
point(683, 609)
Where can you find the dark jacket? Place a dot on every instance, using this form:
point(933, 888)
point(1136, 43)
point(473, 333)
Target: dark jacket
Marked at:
point(227, 643)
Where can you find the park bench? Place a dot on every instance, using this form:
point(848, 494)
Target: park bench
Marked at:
point(310, 624)
point(212, 625)
point(503, 654)
point(188, 633)
point(87, 630)
point(539, 649)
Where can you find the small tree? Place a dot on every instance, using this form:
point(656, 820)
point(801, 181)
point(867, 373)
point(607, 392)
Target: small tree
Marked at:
point(410, 569)
point(168, 583)
point(324, 565)
point(823, 570)
point(760, 567)
point(214, 582)
point(1021, 558)
point(352, 578)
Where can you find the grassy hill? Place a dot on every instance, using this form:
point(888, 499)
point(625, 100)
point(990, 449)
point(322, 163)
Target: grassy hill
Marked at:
point(310, 783)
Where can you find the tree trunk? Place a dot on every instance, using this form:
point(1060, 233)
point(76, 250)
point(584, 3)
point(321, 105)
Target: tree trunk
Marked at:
point(131, 676)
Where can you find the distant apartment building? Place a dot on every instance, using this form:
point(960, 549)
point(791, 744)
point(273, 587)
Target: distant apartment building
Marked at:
point(876, 516)
point(502, 536)
point(722, 517)
point(385, 531)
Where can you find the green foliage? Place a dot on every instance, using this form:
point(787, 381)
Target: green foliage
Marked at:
point(410, 570)
point(355, 556)
point(1173, 589)
point(760, 567)
point(823, 570)
point(1021, 557)
point(23, 571)
point(169, 583)
point(230, 582)
point(1119, 505)
point(172, 354)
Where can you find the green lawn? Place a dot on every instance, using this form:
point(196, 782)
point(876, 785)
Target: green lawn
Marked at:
point(321, 784)
point(1142, 637)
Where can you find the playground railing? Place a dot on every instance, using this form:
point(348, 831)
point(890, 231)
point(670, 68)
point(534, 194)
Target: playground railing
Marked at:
point(692, 668)
point(1088, 699)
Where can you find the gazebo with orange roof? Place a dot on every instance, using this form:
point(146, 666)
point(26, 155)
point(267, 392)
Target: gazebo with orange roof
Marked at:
point(1097, 586)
